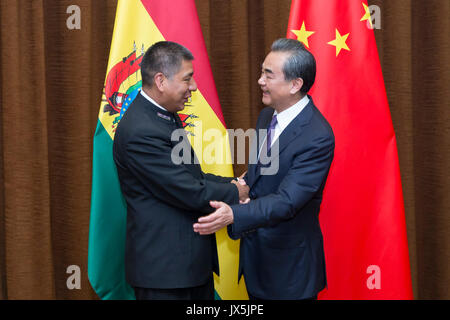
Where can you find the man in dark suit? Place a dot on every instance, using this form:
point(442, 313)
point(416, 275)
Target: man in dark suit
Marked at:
point(281, 253)
point(165, 259)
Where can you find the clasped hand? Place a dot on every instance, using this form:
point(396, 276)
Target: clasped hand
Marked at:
point(223, 215)
point(243, 190)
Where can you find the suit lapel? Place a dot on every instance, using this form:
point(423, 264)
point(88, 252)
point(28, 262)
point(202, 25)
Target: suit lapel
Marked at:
point(294, 128)
point(260, 136)
point(173, 122)
point(292, 131)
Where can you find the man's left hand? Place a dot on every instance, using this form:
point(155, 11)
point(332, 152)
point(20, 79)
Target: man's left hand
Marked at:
point(217, 220)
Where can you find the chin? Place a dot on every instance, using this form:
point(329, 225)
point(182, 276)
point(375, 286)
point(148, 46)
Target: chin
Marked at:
point(266, 101)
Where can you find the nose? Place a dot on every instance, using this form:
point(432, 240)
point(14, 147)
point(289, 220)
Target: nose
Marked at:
point(261, 80)
point(193, 85)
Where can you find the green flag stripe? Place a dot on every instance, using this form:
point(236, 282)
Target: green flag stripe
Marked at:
point(106, 260)
point(134, 87)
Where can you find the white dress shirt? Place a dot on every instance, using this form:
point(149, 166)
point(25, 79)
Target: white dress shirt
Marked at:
point(285, 117)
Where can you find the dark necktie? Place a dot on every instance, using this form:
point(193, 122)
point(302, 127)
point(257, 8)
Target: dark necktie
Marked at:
point(271, 132)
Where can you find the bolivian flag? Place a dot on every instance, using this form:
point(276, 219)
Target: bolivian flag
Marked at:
point(139, 24)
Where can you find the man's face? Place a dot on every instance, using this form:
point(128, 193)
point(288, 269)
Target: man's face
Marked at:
point(275, 89)
point(178, 88)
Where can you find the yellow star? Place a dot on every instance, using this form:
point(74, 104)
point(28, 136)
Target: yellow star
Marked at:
point(367, 15)
point(339, 42)
point(302, 34)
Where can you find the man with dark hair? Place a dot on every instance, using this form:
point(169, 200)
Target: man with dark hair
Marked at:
point(164, 258)
point(281, 254)
point(165, 57)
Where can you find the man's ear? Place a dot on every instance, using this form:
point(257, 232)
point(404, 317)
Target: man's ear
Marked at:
point(159, 80)
point(297, 84)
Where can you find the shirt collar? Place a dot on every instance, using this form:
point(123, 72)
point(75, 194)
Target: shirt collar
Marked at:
point(146, 96)
point(286, 116)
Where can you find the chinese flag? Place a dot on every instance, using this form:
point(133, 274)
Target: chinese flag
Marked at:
point(362, 214)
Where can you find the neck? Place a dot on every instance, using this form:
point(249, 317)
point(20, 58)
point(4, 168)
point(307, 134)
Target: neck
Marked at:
point(154, 94)
point(288, 103)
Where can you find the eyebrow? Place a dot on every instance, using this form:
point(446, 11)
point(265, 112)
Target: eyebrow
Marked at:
point(266, 69)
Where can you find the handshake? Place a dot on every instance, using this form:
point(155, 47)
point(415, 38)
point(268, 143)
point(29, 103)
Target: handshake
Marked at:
point(242, 188)
point(223, 215)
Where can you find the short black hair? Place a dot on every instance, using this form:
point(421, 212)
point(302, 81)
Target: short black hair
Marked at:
point(300, 64)
point(165, 57)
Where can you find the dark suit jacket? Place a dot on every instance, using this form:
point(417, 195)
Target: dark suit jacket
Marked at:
point(164, 200)
point(281, 253)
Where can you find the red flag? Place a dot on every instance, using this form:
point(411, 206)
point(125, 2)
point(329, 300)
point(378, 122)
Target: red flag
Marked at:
point(362, 214)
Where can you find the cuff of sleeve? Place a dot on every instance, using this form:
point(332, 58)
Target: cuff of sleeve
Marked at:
point(243, 222)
